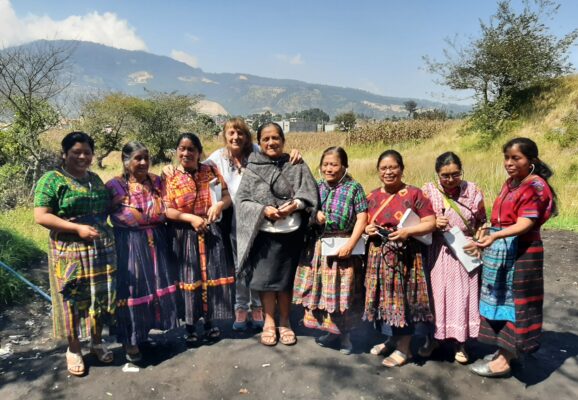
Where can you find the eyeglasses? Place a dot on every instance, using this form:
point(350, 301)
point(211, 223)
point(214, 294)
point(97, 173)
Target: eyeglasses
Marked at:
point(390, 168)
point(454, 176)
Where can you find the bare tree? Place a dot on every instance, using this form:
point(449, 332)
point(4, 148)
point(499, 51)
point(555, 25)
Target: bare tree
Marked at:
point(31, 76)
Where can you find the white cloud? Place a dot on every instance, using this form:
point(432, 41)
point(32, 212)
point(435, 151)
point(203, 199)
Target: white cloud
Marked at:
point(293, 60)
point(105, 28)
point(207, 80)
point(186, 58)
point(188, 79)
point(139, 77)
point(243, 78)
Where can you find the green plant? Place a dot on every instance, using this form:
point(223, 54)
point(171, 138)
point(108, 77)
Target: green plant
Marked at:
point(565, 135)
point(18, 252)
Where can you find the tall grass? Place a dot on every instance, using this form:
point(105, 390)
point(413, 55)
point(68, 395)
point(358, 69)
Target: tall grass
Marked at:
point(22, 243)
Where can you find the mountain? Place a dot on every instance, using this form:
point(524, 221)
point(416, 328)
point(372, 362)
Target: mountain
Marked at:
point(96, 67)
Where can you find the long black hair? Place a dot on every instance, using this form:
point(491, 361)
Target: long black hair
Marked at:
point(529, 148)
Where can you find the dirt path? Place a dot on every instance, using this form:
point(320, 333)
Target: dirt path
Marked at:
point(238, 367)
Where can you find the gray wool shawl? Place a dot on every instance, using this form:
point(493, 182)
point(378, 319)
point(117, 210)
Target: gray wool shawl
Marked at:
point(265, 183)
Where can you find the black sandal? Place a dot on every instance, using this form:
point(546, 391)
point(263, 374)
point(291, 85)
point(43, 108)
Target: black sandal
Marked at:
point(213, 333)
point(192, 339)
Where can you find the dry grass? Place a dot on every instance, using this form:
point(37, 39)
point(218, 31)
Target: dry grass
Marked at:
point(422, 144)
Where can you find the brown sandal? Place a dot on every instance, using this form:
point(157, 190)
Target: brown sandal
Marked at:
point(269, 336)
point(288, 337)
point(74, 363)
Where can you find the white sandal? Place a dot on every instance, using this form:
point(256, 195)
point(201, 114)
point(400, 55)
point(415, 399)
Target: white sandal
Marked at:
point(74, 363)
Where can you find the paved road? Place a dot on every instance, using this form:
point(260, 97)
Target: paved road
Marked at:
point(238, 367)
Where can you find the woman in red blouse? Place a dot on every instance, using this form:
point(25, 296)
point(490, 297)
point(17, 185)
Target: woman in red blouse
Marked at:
point(512, 278)
point(395, 281)
point(205, 268)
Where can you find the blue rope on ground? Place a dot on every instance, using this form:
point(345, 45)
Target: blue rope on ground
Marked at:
point(26, 281)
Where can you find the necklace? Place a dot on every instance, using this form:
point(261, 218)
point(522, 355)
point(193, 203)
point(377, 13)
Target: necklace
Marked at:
point(234, 167)
point(515, 186)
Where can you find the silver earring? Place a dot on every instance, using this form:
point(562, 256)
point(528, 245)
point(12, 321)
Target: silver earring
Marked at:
point(532, 170)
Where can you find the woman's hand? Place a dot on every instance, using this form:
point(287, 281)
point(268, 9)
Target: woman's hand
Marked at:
point(320, 218)
point(399, 236)
point(199, 223)
point(441, 222)
point(472, 249)
point(271, 213)
point(214, 212)
point(295, 157)
point(87, 232)
point(287, 209)
point(345, 250)
point(371, 229)
point(485, 241)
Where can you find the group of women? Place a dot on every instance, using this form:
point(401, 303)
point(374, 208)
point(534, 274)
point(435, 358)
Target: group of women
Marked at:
point(250, 230)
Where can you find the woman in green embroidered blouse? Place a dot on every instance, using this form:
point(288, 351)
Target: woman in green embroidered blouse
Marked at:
point(73, 203)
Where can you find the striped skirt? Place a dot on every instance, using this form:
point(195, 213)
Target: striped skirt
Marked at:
point(205, 273)
point(82, 283)
point(395, 284)
point(527, 288)
point(331, 291)
point(146, 293)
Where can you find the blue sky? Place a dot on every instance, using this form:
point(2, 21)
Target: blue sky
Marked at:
point(371, 45)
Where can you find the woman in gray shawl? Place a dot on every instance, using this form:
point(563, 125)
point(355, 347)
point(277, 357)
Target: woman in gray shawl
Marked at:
point(274, 201)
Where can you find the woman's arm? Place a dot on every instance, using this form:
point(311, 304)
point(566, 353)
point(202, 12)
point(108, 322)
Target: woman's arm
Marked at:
point(360, 223)
point(198, 223)
point(426, 225)
point(43, 216)
point(521, 226)
point(214, 212)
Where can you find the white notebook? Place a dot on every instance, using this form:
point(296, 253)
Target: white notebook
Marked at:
point(330, 246)
point(409, 219)
point(456, 240)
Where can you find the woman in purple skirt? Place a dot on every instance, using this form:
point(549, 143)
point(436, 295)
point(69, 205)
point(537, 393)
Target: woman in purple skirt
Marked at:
point(145, 290)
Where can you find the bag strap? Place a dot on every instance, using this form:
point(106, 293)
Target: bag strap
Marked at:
point(380, 209)
point(454, 206)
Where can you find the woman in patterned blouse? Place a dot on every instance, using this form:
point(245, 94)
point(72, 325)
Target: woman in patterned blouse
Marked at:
point(72, 202)
point(205, 268)
point(329, 287)
point(145, 291)
point(397, 296)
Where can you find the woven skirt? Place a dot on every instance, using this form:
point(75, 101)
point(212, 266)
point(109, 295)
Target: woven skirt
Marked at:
point(204, 273)
point(331, 291)
point(396, 287)
point(82, 283)
point(527, 288)
point(146, 293)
